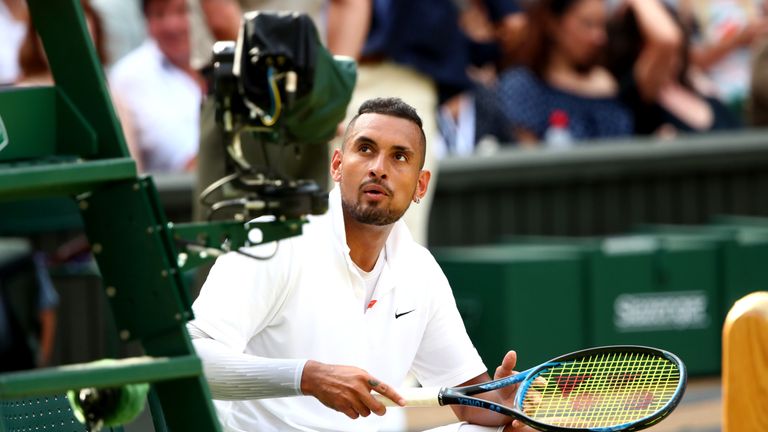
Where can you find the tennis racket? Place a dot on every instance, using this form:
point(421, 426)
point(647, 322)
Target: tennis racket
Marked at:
point(611, 388)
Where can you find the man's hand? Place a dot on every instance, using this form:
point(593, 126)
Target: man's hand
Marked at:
point(346, 389)
point(502, 396)
point(505, 369)
point(507, 394)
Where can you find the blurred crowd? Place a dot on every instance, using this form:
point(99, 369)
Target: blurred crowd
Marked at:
point(483, 73)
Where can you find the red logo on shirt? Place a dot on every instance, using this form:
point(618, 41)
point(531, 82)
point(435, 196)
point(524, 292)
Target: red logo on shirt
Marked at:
point(370, 305)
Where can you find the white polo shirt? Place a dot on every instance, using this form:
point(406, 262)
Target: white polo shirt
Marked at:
point(164, 104)
point(306, 303)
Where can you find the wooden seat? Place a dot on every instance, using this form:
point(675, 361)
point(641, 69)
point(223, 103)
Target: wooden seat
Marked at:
point(745, 365)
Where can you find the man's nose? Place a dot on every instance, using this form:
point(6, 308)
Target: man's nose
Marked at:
point(378, 167)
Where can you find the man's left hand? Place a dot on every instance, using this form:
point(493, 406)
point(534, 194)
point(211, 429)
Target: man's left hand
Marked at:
point(506, 369)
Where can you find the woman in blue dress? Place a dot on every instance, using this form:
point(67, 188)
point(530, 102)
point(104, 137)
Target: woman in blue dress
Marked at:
point(649, 54)
point(560, 79)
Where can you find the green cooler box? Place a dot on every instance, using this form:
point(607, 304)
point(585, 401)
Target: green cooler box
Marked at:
point(743, 254)
point(658, 290)
point(529, 298)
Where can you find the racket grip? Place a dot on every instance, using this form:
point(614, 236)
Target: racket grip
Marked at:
point(414, 397)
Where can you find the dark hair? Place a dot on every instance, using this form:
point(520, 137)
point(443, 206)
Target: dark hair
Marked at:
point(625, 41)
point(390, 106)
point(536, 51)
point(394, 107)
point(32, 57)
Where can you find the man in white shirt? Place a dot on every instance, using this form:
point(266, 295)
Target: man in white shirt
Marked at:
point(14, 18)
point(352, 305)
point(159, 92)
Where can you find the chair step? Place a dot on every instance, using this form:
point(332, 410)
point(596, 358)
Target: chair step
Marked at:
point(58, 176)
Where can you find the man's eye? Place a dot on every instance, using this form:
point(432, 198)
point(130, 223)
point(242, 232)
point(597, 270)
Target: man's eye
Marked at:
point(401, 157)
point(365, 148)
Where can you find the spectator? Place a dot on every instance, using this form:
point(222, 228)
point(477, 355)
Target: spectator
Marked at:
point(471, 121)
point(32, 59)
point(649, 55)
point(722, 48)
point(14, 17)
point(757, 100)
point(35, 69)
point(160, 91)
point(561, 76)
point(757, 103)
point(28, 305)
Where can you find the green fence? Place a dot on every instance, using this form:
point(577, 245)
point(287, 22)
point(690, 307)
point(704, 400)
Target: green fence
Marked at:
point(600, 188)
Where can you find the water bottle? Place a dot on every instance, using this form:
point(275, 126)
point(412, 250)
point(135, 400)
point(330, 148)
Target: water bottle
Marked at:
point(557, 135)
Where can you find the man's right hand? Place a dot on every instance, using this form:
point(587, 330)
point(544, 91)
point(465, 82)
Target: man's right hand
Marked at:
point(346, 389)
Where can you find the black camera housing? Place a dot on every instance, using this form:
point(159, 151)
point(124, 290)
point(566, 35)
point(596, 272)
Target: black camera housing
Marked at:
point(265, 96)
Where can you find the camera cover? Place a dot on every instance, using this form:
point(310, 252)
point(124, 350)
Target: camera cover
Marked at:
point(278, 42)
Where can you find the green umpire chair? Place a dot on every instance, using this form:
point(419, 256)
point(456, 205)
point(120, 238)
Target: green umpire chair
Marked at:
point(65, 141)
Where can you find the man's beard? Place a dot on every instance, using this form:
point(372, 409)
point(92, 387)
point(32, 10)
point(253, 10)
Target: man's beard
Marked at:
point(370, 215)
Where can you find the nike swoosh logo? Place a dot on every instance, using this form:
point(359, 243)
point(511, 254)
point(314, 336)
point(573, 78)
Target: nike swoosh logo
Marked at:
point(398, 315)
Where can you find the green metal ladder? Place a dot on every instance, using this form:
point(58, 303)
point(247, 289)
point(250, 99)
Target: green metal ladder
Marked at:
point(65, 140)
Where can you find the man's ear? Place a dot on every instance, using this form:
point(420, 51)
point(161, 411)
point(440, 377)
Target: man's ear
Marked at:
point(336, 165)
point(422, 184)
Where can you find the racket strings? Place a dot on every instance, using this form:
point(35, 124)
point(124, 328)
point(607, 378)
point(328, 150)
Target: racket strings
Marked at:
point(602, 390)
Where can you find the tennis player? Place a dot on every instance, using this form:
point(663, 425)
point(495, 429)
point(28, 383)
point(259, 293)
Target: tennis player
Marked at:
point(351, 306)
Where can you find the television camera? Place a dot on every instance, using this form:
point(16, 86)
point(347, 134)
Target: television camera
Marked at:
point(279, 97)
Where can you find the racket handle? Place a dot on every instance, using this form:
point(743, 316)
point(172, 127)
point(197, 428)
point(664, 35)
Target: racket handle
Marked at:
point(414, 397)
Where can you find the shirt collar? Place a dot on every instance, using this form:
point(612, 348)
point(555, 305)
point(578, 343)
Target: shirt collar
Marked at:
point(395, 245)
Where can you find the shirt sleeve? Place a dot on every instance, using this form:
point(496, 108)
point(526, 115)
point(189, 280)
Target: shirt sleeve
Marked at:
point(446, 356)
point(237, 376)
point(242, 294)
